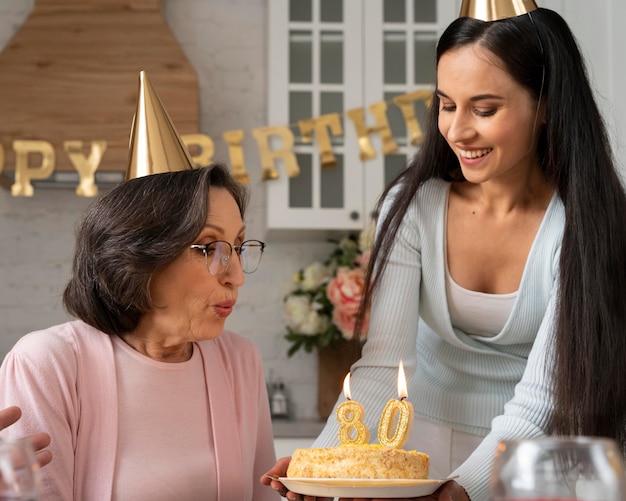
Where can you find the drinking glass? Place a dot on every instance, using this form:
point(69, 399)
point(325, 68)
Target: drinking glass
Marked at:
point(19, 471)
point(558, 468)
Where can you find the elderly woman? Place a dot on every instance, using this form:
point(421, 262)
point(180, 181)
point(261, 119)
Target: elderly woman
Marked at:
point(146, 396)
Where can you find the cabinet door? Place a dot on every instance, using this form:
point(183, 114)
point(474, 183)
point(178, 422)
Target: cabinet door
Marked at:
point(400, 52)
point(315, 69)
point(330, 56)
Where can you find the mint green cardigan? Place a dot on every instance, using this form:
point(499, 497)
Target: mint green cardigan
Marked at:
point(491, 386)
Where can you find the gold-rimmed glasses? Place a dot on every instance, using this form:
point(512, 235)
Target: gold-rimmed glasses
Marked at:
point(217, 255)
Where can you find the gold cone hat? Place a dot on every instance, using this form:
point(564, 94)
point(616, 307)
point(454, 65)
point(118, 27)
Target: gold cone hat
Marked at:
point(492, 10)
point(155, 145)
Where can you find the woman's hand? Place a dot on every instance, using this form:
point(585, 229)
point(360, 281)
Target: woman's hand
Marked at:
point(280, 470)
point(450, 491)
point(9, 416)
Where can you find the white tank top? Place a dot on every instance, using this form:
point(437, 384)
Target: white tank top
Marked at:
point(477, 313)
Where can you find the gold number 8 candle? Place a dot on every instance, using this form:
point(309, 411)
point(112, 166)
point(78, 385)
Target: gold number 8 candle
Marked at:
point(398, 412)
point(352, 430)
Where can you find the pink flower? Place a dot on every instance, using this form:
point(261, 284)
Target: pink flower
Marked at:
point(345, 289)
point(345, 323)
point(363, 259)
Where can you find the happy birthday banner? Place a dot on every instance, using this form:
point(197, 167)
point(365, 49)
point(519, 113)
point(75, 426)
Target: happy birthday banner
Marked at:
point(323, 127)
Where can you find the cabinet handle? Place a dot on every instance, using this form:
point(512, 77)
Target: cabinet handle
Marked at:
point(354, 215)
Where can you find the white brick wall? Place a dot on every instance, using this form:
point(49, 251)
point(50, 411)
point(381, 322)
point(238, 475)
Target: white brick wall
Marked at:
point(225, 40)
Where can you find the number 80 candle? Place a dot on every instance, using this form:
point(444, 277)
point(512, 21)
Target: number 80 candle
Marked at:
point(398, 412)
point(352, 430)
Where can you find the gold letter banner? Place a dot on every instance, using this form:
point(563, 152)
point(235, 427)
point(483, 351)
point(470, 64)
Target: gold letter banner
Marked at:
point(405, 103)
point(85, 166)
point(24, 173)
point(379, 110)
point(233, 139)
point(262, 136)
point(274, 143)
point(321, 125)
point(203, 143)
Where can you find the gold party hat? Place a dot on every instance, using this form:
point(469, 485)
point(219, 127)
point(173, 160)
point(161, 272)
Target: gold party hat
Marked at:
point(492, 10)
point(155, 145)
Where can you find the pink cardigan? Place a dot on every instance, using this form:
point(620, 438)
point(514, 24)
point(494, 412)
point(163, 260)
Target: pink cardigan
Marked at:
point(63, 378)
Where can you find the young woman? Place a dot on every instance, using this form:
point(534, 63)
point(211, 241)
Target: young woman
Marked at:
point(499, 273)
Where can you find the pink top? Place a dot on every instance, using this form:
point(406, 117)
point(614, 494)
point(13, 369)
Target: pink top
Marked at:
point(159, 407)
point(64, 379)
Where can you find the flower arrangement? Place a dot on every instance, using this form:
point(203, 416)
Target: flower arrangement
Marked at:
point(323, 306)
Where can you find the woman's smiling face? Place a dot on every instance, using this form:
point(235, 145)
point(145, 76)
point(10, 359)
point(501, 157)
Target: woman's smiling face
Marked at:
point(487, 118)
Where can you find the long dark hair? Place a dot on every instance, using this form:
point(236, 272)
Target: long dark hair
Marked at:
point(541, 54)
point(133, 231)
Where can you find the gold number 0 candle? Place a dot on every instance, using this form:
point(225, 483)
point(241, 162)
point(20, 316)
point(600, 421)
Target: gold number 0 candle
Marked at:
point(349, 414)
point(398, 412)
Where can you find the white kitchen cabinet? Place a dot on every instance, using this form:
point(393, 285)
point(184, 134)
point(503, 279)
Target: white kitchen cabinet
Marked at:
point(331, 56)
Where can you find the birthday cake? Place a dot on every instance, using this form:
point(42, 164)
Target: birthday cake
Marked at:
point(358, 461)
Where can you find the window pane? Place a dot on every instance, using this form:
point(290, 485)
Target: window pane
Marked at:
point(300, 107)
point(331, 50)
point(300, 57)
point(394, 11)
point(300, 187)
point(394, 164)
point(300, 10)
point(425, 46)
point(425, 11)
point(396, 120)
point(332, 185)
point(332, 102)
point(394, 48)
point(331, 11)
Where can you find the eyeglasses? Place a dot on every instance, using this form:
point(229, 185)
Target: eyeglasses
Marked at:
point(217, 255)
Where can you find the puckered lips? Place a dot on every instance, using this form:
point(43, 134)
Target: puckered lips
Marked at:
point(224, 308)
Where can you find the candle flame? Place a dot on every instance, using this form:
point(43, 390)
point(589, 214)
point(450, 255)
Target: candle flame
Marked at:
point(346, 387)
point(402, 389)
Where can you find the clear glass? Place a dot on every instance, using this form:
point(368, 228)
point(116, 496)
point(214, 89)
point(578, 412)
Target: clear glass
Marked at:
point(300, 108)
point(558, 468)
point(332, 102)
point(424, 50)
point(394, 53)
point(301, 10)
point(218, 254)
point(301, 187)
point(331, 57)
point(394, 11)
point(331, 11)
point(300, 56)
point(425, 11)
point(19, 471)
point(332, 185)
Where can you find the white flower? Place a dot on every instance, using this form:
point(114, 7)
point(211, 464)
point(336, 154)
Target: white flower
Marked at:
point(300, 315)
point(366, 237)
point(347, 245)
point(313, 276)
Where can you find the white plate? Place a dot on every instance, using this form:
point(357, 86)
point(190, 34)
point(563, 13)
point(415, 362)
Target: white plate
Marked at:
point(361, 488)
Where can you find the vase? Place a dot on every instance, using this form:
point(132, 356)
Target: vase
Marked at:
point(333, 363)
